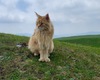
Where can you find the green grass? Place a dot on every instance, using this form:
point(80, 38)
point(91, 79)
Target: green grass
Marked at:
point(69, 61)
point(89, 40)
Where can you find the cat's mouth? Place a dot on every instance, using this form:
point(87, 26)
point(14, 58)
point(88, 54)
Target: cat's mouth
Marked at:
point(41, 28)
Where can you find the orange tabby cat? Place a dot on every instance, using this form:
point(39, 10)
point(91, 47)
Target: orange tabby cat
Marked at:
point(42, 40)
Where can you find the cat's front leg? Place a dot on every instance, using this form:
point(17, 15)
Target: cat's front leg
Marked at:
point(41, 56)
point(46, 56)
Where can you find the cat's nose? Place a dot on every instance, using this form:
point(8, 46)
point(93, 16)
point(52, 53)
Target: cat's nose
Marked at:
point(41, 24)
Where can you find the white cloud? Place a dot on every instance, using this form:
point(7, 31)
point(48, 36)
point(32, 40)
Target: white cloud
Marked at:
point(73, 13)
point(10, 13)
point(60, 10)
point(9, 3)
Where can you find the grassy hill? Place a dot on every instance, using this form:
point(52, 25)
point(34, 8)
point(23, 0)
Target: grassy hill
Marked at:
point(70, 60)
point(88, 40)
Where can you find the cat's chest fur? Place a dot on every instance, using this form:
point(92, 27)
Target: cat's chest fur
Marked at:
point(43, 38)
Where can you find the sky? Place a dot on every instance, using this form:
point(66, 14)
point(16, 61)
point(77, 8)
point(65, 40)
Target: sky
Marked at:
point(69, 17)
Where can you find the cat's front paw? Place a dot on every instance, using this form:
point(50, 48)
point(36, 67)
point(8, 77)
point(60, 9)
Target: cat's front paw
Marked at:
point(41, 59)
point(44, 60)
point(47, 60)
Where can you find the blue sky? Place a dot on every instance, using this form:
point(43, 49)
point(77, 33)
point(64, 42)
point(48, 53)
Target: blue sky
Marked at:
point(70, 17)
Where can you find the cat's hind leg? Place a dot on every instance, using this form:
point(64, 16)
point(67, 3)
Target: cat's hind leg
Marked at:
point(33, 46)
point(51, 47)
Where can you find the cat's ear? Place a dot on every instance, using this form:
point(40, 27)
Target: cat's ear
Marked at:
point(47, 17)
point(37, 14)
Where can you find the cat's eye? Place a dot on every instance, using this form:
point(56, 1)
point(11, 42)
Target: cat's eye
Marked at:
point(37, 23)
point(46, 24)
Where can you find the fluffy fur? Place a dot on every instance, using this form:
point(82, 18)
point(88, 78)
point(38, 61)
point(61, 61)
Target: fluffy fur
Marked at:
point(41, 41)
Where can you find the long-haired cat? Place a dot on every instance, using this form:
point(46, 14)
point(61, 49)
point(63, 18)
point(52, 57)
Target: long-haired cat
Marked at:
point(42, 40)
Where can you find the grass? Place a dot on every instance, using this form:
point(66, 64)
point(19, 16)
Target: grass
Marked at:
point(89, 40)
point(69, 61)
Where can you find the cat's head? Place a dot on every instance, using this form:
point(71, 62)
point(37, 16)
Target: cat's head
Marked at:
point(43, 22)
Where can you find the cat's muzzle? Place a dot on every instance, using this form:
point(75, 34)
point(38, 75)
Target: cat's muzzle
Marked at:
point(41, 28)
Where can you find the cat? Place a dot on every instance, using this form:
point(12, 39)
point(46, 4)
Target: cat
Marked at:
point(41, 42)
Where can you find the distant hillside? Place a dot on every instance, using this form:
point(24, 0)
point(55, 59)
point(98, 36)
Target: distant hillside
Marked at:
point(24, 34)
point(69, 61)
point(87, 40)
